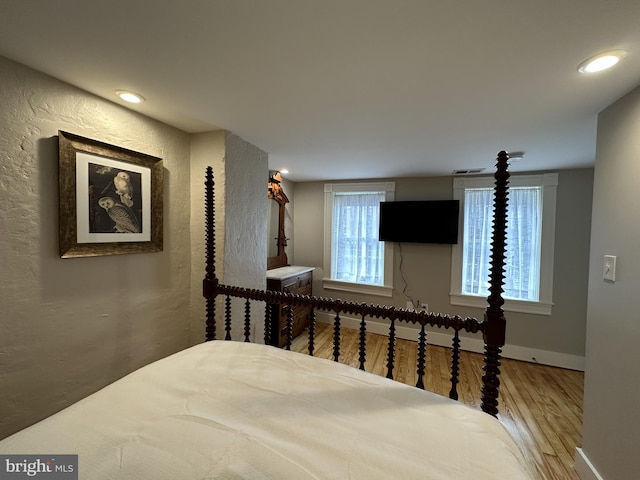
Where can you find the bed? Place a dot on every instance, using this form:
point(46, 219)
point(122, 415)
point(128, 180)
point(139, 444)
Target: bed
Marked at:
point(224, 410)
point(234, 409)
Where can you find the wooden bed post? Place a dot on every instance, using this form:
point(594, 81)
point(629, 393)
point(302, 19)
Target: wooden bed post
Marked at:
point(495, 323)
point(210, 282)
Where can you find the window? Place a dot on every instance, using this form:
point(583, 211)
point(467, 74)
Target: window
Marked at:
point(354, 259)
point(528, 281)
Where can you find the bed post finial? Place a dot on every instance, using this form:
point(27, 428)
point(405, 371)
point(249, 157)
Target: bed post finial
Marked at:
point(210, 282)
point(495, 323)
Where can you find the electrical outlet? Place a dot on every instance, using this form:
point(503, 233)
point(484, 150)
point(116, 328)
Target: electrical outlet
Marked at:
point(424, 307)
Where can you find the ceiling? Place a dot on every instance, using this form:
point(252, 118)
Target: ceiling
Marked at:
point(336, 89)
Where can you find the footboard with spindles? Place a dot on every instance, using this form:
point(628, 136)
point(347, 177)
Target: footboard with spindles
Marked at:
point(491, 327)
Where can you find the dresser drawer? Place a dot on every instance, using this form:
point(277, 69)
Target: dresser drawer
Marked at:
point(299, 284)
point(297, 311)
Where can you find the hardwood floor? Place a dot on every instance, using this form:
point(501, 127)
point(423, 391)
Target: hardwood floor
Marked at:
point(541, 406)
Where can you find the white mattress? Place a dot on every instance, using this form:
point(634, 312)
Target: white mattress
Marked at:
point(227, 410)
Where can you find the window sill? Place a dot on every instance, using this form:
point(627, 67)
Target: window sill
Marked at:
point(521, 306)
point(366, 288)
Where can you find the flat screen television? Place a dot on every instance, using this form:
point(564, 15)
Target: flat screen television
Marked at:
point(421, 221)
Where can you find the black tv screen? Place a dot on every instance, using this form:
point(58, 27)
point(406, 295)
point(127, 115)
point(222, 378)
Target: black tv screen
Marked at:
point(422, 221)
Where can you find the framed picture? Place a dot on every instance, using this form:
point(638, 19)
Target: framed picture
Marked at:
point(110, 199)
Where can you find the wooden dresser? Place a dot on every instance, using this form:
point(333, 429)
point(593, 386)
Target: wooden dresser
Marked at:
point(290, 279)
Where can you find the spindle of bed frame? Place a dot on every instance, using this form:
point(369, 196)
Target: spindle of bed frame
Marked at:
point(227, 317)
point(247, 321)
point(455, 366)
point(312, 332)
point(362, 345)
point(267, 322)
point(492, 327)
point(336, 337)
point(422, 356)
point(288, 332)
point(391, 348)
point(210, 280)
point(494, 333)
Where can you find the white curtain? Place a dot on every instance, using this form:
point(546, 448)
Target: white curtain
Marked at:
point(357, 255)
point(524, 231)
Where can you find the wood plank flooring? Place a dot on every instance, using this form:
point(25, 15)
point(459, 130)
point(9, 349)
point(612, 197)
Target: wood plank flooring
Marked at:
point(540, 405)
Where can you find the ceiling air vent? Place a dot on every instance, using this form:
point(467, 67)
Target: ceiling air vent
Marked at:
point(468, 171)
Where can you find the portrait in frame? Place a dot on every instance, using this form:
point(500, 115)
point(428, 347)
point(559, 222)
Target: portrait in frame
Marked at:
point(110, 199)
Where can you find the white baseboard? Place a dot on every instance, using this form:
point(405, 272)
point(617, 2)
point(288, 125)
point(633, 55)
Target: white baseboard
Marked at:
point(545, 357)
point(584, 468)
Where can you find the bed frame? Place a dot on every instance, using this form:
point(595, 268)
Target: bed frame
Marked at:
point(492, 327)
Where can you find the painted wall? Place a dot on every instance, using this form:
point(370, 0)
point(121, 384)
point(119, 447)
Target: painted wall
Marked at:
point(612, 393)
point(427, 268)
point(245, 254)
point(71, 326)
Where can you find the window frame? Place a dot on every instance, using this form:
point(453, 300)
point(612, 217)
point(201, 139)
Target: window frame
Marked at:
point(543, 306)
point(328, 283)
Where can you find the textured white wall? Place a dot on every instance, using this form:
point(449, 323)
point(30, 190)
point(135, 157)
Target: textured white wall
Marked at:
point(612, 394)
point(71, 326)
point(245, 253)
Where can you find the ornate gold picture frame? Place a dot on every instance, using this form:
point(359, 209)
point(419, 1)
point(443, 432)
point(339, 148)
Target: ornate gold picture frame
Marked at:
point(110, 199)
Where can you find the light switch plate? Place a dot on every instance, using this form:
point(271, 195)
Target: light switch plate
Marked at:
point(609, 268)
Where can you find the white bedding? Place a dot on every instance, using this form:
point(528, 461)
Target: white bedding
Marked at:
point(226, 410)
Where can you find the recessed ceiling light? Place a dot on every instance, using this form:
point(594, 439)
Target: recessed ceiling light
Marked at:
point(601, 61)
point(284, 171)
point(130, 97)
point(516, 156)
